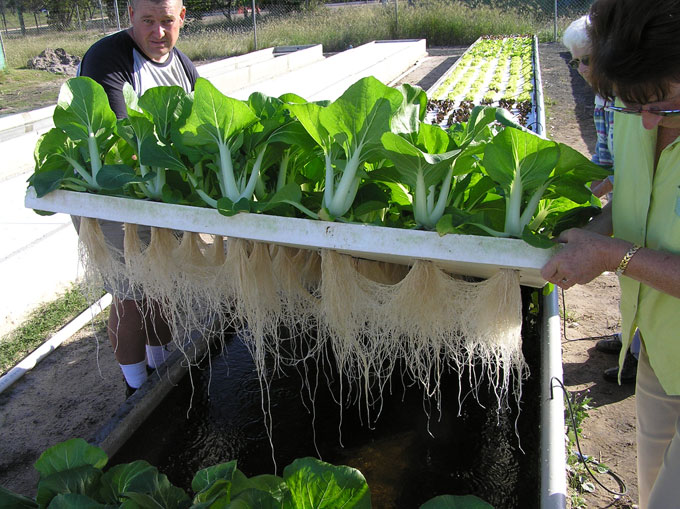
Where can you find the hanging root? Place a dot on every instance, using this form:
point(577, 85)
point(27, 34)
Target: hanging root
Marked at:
point(364, 316)
point(432, 320)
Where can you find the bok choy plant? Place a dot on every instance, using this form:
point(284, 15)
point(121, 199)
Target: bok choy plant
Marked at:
point(348, 130)
point(537, 182)
point(148, 130)
point(74, 153)
point(211, 136)
point(426, 161)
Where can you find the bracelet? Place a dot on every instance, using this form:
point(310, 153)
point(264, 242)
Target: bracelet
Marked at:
point(626, 259)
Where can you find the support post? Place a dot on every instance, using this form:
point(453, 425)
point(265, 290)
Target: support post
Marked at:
point(254, 27)
point(101, 11)
point(115, 8)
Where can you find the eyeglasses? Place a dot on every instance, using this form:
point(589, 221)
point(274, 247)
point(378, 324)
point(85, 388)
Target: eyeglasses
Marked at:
point(575, 62)
point(640, 111)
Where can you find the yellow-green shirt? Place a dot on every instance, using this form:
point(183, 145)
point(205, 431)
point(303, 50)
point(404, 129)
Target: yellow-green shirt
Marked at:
point(646, 211)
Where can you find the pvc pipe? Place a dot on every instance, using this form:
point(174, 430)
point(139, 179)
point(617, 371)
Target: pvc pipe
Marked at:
point(53, 343)
point(553, 455)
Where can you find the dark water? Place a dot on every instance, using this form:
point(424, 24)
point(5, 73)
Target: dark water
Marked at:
point(406, 457)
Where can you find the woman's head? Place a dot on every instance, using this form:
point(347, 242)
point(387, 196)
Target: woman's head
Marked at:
point(635, 51)
point(576, 39)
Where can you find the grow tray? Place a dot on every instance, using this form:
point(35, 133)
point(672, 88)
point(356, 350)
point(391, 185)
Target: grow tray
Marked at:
point(468, 255)
point(494, 71)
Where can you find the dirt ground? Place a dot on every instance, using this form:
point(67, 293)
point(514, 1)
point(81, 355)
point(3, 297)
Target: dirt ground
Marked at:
point(77, 389)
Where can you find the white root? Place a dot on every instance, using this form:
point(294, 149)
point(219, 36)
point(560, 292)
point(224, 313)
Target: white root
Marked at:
point(370, 315)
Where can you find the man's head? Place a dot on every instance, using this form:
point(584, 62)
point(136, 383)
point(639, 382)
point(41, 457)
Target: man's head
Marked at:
point(155, 26)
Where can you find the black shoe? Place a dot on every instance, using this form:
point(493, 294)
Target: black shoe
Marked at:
point(129, 390)
point(611, 344)
point(628, 372)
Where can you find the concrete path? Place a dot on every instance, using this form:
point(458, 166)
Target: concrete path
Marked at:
point(38, 254)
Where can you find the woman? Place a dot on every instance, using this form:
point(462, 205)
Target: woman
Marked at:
point(635, 56)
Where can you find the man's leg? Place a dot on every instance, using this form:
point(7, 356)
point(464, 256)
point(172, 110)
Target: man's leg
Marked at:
point(127, 334)
point(159, 335)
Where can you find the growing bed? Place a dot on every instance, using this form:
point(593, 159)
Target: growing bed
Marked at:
point(504, 262)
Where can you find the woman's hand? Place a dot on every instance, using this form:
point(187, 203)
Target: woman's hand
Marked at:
point(584, 256)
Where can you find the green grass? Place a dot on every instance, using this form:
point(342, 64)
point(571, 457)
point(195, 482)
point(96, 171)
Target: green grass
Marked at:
point(39, 326)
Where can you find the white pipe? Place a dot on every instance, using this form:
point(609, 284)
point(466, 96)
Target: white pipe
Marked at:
point(53, 343)
point(553, 455)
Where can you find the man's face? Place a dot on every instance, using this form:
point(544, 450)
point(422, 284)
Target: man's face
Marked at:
point(155, 26)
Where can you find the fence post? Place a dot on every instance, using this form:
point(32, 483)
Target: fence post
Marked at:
point(396, 19)
point(555, 23)
point(254, 28)
point(101, 10)
point(115, 8)
point(3, 57)
point(80, 26)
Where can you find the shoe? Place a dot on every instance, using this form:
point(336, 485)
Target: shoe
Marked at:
point(611, 344)
point(628, 372)
point(129, 390)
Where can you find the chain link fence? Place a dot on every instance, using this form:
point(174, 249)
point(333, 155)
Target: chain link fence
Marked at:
point(234, 15)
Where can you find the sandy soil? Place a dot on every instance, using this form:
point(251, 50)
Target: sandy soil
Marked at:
point(77, 389)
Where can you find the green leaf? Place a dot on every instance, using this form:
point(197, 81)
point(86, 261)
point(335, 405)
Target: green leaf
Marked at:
point(219, 490)
point(11, 500)
point(76, 501)
point(254, 499)
point(83, 479)
point(165, 106)
point(517, 154)
point(456, 502)
point(574, 218)
point(360, 116)
point(118, 176)
point(316, 484)
point(215, 118)
point(47, 181)
point(83, 109)
point(204, 478)
point(137, 476)
point(72, 453)
point(271, 484)
point(536, 239)
point(412, 110)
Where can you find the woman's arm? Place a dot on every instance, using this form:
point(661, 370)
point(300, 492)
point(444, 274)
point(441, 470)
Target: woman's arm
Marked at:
point(585, 255)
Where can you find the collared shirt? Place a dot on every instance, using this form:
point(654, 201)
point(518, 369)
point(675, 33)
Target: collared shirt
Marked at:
point(646, 211)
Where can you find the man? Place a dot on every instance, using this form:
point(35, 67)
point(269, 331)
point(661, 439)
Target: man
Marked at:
point(145, 56)
point(635, 56)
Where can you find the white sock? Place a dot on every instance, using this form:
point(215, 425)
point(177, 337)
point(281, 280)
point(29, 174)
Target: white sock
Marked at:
point(156, 355)
point(135, 374)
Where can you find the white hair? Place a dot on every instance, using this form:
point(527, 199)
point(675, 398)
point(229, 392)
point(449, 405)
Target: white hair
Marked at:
point(575, 37)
